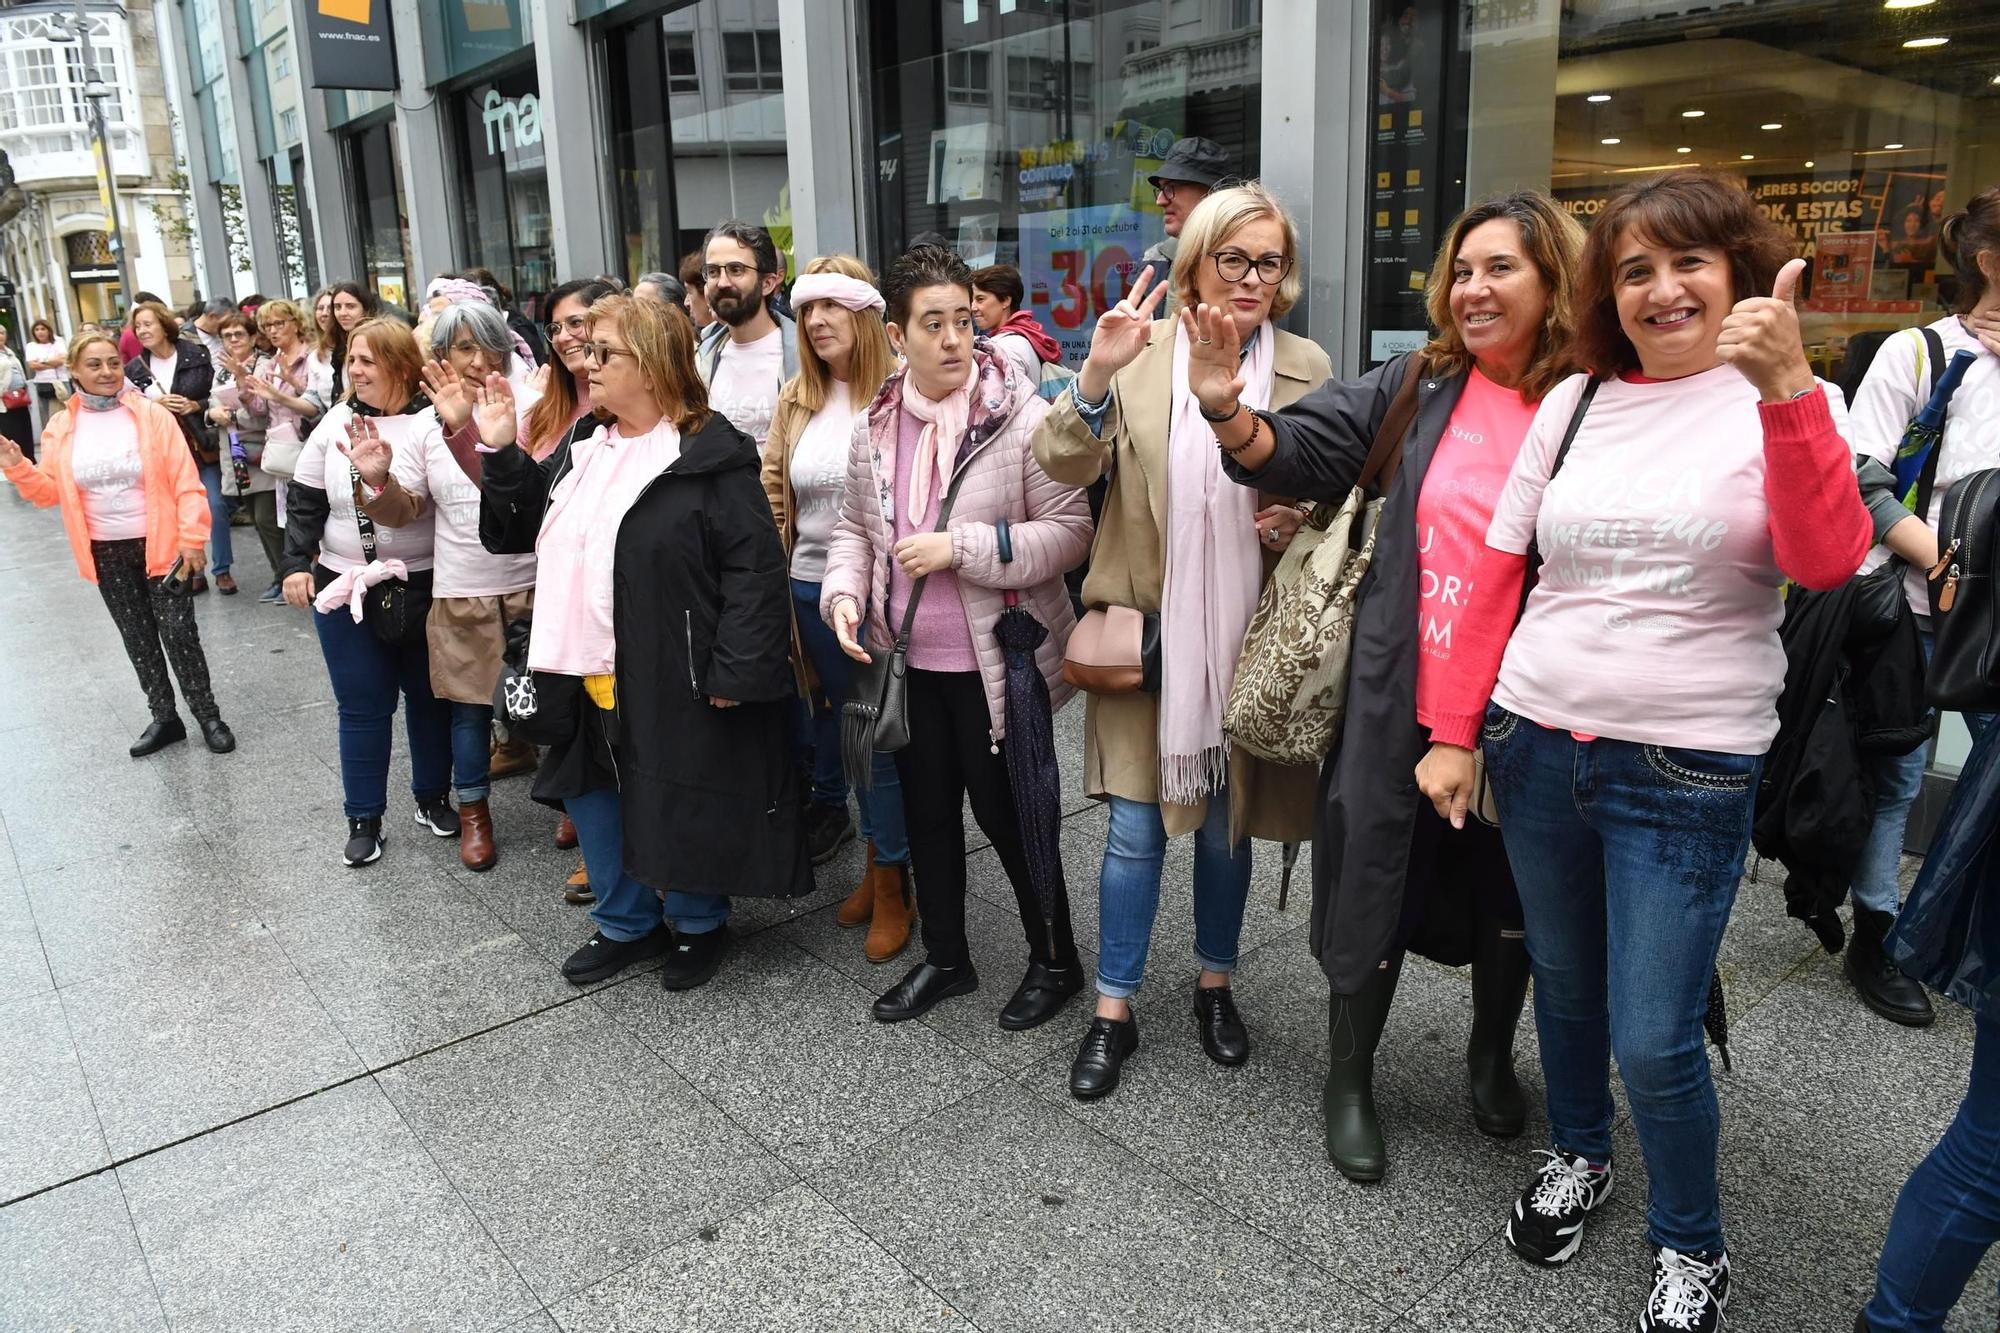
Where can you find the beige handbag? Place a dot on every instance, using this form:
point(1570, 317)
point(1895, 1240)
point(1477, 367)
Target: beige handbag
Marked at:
point(1114, 650)
point(1481, 803)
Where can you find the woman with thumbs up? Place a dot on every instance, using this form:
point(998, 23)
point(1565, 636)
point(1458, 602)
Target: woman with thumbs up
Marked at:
point(1624, 719)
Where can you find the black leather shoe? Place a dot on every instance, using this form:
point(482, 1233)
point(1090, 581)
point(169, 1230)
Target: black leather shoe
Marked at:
point(602, 956)
point(1877, 980)
point(1106, 1047)
point(693, 959)
point(218, 735)
point(158, 735)
point(919, 992)
point(1041, 995)
point(1223, 1035)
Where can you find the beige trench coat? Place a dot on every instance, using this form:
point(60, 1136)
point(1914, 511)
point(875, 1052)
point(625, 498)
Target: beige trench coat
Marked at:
point(1121, 753)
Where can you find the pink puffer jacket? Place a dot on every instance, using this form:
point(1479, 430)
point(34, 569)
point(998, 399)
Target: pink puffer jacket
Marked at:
point(1048, 523)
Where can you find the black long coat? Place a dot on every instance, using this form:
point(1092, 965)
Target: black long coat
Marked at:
point(701, 608)
point(1367, 787)
point(194, 379)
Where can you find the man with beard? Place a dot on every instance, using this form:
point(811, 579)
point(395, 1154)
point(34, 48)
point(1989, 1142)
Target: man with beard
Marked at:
point(751, 352)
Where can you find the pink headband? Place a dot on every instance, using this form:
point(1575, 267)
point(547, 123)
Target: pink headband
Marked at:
point(838, 287)
point(457, 289)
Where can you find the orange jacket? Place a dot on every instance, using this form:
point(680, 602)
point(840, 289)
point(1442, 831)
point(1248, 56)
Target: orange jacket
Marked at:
point(176, 504)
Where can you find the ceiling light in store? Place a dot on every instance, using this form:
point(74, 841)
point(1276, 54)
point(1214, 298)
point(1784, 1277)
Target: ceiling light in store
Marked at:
point(1921, 43)
point(1692, 115)
point(1996, 78)
point(1608, 142)
point(1683, 150)
point(1907, 4)
point(1771, 125)
point(1810, 164)
point(1892, 146)
point(1749, 157)
point(1598, 97)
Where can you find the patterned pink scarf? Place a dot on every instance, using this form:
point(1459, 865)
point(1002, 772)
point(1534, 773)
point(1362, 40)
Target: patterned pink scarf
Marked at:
point(944, 426)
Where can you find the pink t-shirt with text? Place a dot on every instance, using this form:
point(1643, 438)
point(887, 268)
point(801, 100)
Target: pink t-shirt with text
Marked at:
point(1454, 508)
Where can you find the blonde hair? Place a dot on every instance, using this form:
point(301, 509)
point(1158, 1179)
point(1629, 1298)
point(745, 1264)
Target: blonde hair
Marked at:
point(394, 350)
point(79, 344)
point(874, 359)
point(662, 342)
point(1218, 217)
point(1553, 241)
point(283, 309)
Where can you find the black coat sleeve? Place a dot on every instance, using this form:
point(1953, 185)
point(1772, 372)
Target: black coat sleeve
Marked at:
point(194, 375)
point(1322, 440)
point(306, 509)
point(513, 495)
point(752, 658)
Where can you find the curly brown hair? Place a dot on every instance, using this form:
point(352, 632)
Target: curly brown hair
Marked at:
point(1681, 210)
point(1553, 240)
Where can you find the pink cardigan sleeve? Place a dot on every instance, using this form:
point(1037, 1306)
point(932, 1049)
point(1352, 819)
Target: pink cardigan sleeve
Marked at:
point(1820, 529)
point(1482, 634)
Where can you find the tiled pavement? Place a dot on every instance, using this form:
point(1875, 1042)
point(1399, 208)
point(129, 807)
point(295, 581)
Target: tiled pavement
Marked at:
point(242, 1087)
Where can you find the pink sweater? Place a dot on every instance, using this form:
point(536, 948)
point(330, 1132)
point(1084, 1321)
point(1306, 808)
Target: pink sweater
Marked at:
point(941, 638)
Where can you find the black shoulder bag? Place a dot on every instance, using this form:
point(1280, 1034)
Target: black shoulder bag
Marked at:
point(395, 609)
point(876, 717)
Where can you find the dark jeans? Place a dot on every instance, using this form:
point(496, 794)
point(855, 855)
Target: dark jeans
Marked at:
point(264, 514)
point(471, 750)
point(626, 909)
point(1948, 1214)
point(1627, 859)
point(950, 757)
point(148, 616)
point(367, 674)
point(881, 805)
point(218, 518)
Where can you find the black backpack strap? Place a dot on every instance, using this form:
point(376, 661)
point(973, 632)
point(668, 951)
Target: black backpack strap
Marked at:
point(1934, 364)
point(1562, 453)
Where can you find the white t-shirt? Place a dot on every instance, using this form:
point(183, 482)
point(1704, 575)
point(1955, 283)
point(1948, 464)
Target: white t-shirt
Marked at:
point(819, 477)
point(1896, 387)
point(746, 383)
point(1656, 617)
point(104, 459)
point(163, 374)
point(324, 466)
point(464, 567)
point(42, 352)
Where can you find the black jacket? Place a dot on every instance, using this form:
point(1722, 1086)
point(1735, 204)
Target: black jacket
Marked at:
point(700, 608)
point(1368, 787)
point(194, 377)
point(1854, 688)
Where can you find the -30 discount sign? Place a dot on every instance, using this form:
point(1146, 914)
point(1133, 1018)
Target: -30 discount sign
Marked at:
point(1078, 263)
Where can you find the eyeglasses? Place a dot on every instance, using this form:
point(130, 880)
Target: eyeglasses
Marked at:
point(736, 272)
point(1167, 189)
point(1231, 265)
point(573, 326)
point(602, 353)
point(275, 322)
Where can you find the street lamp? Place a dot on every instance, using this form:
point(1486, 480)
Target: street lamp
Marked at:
point(95, 91)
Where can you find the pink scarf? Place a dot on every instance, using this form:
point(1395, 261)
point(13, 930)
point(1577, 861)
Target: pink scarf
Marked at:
point(1214, 571)
point(937, 447)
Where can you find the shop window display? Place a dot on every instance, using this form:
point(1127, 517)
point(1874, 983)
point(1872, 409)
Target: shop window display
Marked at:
point(504, 169)
point(381, 221)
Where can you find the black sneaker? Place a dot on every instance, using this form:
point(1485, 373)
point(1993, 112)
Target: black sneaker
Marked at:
point(1690, 1292)
point(602, 957)
point(694, 958)
point(437, 815)
point(827, 827)
point(1546, 1226)
point(364, 841)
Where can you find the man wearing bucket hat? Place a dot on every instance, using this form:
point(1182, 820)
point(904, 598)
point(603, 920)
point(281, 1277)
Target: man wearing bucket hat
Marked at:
point(1191, 168)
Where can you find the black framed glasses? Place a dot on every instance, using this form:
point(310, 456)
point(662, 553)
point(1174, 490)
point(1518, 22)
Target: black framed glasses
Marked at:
point(1231, 265)
point(602, 353)
point(735, 271)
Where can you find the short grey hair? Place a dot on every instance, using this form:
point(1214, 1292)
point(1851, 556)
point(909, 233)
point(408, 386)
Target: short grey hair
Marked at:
point(219, 305)
point(668, 285)
point(487, 326)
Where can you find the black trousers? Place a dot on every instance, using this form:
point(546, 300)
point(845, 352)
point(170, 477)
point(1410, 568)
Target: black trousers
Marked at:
point(147, 616)
point(951, 756)
point(263, 506)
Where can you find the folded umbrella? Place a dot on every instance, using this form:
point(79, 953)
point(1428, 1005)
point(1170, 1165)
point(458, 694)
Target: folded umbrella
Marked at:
point(1033, 773)
point(1926, 428)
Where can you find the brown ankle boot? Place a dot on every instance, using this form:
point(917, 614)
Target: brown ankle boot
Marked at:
point(475, 835)
point(895, 908)
point(576, 889)
point(860, 904)
point(511, 757)
point(565, 833)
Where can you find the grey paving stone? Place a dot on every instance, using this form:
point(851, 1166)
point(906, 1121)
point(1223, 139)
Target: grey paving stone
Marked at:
point(790, 1263)
point(406, 974)
point(327, 1214)
point(197, 1042)
point(1022, 1218)
point(56, 817)
point(787, 1047)
point(48, 1127)
point(577, 1147)
point(24, 965)
point(69, 1261)
point(125, 913)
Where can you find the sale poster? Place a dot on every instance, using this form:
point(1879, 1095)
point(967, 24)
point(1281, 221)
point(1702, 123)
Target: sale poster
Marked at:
point(1843, 263)
point(1079, 262)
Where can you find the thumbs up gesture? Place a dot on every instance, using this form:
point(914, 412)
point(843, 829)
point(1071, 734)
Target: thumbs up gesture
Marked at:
point(1760, 337)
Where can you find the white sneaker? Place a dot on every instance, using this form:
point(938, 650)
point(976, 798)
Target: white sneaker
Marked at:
point(1690, 1292)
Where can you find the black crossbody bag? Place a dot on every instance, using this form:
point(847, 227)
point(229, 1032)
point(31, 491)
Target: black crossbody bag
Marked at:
point(395, 609)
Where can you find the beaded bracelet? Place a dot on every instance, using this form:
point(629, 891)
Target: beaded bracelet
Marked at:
point(1256, 424)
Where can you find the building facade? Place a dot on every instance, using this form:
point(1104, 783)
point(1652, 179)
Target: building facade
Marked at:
point(54, 249)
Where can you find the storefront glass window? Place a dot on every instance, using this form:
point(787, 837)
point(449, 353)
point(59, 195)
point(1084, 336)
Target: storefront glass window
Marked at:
point(382, 226)
point(698, 128)
point(504, 172)
point(1024, 133)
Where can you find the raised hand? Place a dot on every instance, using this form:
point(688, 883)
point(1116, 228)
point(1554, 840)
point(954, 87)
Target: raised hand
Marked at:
point(493, 412)
point(367, 450)
point(1122, 333)
point(449, 395)
point(538, 380)
point(10, 453)
point(1985, 326)
point(1215, 357)
point(1760, 337)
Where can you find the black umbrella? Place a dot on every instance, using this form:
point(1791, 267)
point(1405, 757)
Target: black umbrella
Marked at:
point(1716, 1020)
point(1032, 771)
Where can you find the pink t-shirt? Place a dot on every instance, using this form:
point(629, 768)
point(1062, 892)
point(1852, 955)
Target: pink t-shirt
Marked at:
point(1454, 508)
point(1656, 617)
point(941, 637)
point(571, 633)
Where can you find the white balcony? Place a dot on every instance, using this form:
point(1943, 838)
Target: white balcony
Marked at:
point(44, 110)
point(50, 154)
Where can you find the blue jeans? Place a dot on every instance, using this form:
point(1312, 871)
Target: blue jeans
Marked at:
point(471, 750)
point(218, 517)
point(366, 675)
point(1128, 892)
point(1948, 1214)
point(1627, 858)
point(627, 909)
point(882, 805)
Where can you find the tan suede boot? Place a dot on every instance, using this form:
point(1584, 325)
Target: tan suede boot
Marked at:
point(860, 904)
point(895, 909)
point(511, 757)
